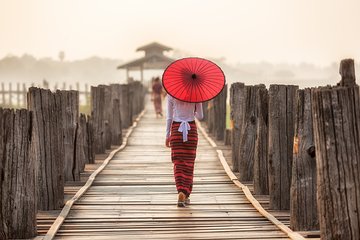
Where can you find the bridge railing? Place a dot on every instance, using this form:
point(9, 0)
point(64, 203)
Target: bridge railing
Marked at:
point(49, 143)
point(300, 147)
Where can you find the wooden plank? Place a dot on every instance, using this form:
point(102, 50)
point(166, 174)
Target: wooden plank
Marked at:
point(134, 197)
point(66, 209)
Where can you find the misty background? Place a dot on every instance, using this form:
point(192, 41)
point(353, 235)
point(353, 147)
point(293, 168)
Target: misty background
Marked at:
point(96, 70)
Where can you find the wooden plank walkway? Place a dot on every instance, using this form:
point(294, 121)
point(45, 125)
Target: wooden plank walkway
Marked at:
point(134, 197)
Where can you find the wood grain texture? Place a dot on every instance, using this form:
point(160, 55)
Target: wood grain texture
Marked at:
point(281, 138)
point(70, 115)
point(98, 118)
point(47, 147)
point(17, 183)
point(303, 207)
point(261, 177)
point(336, 118)
point(237, 96)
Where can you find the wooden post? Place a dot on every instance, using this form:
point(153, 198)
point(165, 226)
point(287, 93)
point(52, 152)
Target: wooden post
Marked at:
point(210, 119)
point(237, 103)
point(303, 207)
point(97, 116)
point(227, 137)
point(205, 107)
point(47, 147)
point(3, 94)
point(116, 123)
point(336, 119)
point(125, 104)
point(90, 140)
point(10, 95)
point(81, 148)
point(248, 135)
point(220, 114)
point(115, 117)
point(3, 139)
point(70, 115)
point(24, 92)
point(17, 176)
point(18, 95)
point(261, 182)
point(86, 94)
point(282, 108)
point(107, 115)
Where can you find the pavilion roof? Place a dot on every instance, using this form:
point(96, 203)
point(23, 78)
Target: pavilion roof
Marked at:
point(154, 61)
point(154, 45)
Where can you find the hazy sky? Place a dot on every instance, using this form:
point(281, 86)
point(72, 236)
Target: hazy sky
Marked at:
point(317, 31)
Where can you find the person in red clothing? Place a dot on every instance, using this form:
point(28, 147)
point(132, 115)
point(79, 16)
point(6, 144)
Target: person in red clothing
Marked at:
point(182, 137)
point(157, 93)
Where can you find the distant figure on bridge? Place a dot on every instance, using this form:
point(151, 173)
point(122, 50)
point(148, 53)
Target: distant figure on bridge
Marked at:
point(188, 82)
point(157, 94)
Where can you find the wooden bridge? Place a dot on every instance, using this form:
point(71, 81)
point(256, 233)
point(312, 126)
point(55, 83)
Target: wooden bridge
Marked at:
point(287, 168)
point(134, 197)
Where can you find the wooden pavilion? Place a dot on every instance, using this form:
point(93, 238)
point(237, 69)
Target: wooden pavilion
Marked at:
point(154, 59)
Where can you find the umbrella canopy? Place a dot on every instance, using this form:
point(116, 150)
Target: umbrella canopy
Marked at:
point(193, 79)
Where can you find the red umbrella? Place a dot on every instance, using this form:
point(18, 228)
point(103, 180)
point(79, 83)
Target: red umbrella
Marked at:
point(193, 79)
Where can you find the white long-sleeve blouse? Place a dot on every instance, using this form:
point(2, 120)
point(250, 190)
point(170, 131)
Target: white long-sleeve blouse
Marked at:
point(183, 112)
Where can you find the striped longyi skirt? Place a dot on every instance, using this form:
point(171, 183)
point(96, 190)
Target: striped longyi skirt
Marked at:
point(183, 156)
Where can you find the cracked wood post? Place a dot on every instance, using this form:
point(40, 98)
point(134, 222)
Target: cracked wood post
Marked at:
point(47, 147)
point(125, 105)
point(17, 176)
point(116, 123)
point(220, 114)
point(282, 108)
point(237, 101)
point(97, 116)
point(261, 182)
point(90, 141)
point(107, 115)
point(81, 148)
point(303, 207)
point(115, 117)
point(336, 119)
point(248, 134)
point(70, 116)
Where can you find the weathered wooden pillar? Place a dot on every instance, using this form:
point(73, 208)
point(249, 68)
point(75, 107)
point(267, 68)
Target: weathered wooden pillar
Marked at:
point(125, 104)
point(17, 176)
point(70, 115)
point(205, 107)
point(248, 134)
point(47, 147)
point(227, 137)
point(97, 116)
point(3, 139)
point(220, 114)
point(211, 116)
point(282, 109)
point(303, 207)
point(90, 140)
point(107, 115)
point(81, 148)
point(115, 117)
point(261, 182)
point(237, 103)
point(336, 119)
point(116, 123)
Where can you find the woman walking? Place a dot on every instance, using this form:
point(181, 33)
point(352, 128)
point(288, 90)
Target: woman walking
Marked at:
point(188, 82)
point(180, 125)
